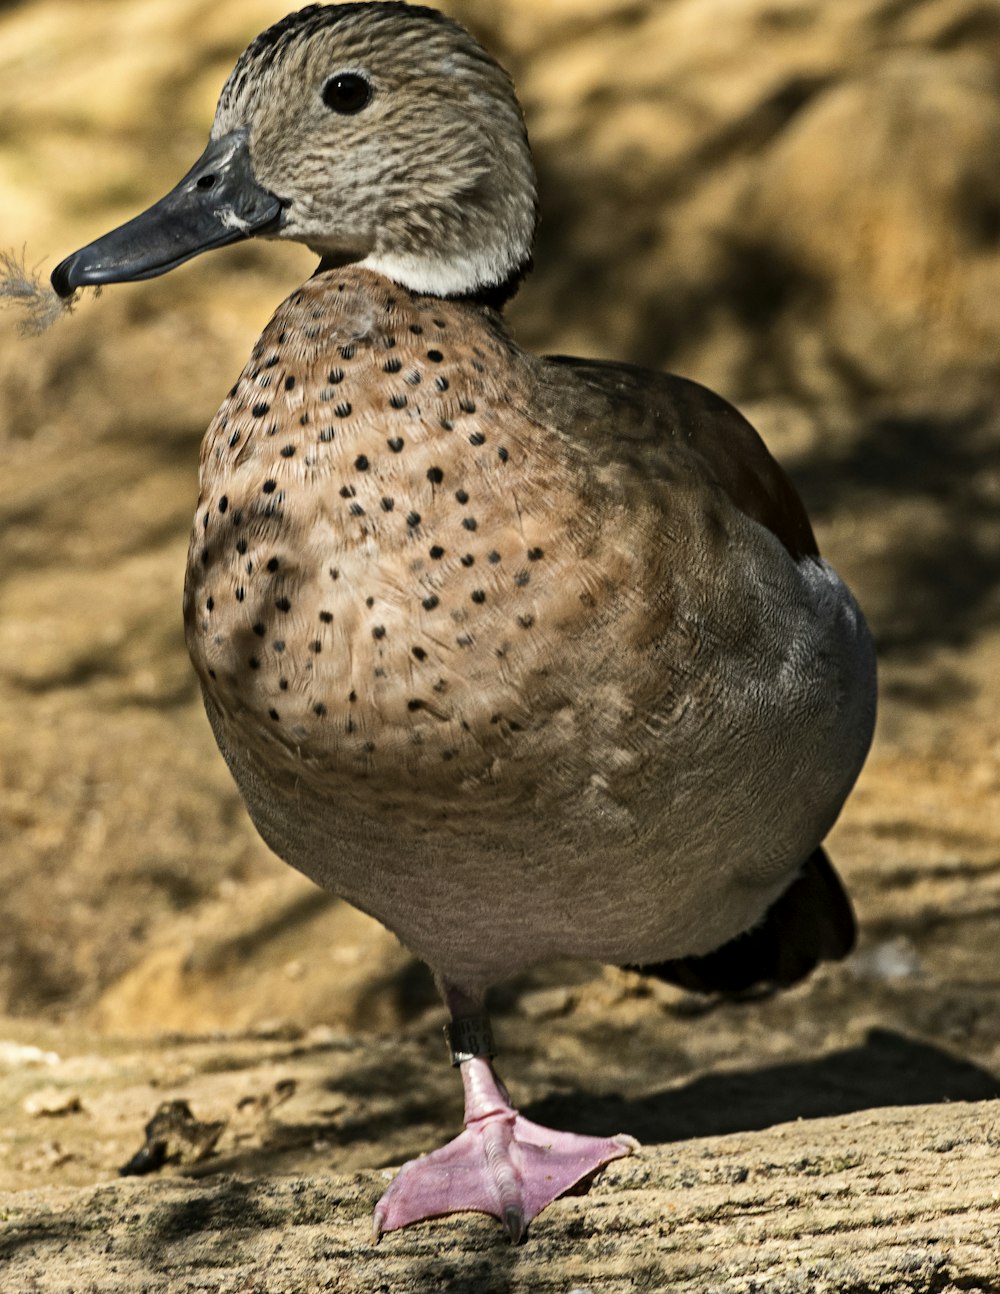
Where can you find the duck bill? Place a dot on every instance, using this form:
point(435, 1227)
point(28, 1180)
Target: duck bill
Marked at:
point(218, 202)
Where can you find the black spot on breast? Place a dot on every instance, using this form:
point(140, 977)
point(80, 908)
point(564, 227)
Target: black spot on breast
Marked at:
point(287, 451)
point(395, 444)
point(419, 653)
point(378, 631)
point(278, 645)
point(361, 463)
point(241, 546)
point(387, 503)
point(303, 419)
point(289, 383)
point(253, 662)
point(347, 491)
point(477, 438)
point(392, 365)
point(274, 715)
point(272, 361)
point(521, 579)
point(398, 401)
point(283, 684)
point(478, 596)
point(269, 487)
point(441, 382)
point(326, 435)
point(283, 604)
point(240, 593)
point(316, 646)
point(413, 518)
point(356, 510)
point(535, 554)
point(416, 329)
point(461, 496)
point(272, 564)
point(502, 454)
point(335, 376)
point(430, 602)
point(334, 573)
point(348, 351)
point(342, 410)
point(259, 630)
point(435, 475)
point(352, 697)
point(223, 503)
point(412, 378)
point(493, 557)
point(369, 602)
point(446, 424)
point(526, 621)
point(467, 405)
point(437, 552)
point(259, 410)
point(326, 617)
point(435, 356)
point(234, 440)
point(469, 523)
point(415, 703)
point(232, 391)
point(210, 604)
point(468, 560)
point(319, 709)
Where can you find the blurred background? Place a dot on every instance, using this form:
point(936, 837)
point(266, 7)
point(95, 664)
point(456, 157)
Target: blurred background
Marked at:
point(795, 202)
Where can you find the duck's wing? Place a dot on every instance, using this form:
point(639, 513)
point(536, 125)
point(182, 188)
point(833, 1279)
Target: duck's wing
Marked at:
point(637, 415)
point(650, 421)
point(812, 921)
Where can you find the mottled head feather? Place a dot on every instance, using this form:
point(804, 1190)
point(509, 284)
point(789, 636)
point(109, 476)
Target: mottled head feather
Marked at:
point(268, 48)
point(431, 184)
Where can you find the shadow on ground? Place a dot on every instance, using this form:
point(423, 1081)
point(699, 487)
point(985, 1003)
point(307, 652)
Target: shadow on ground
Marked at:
point(886, 1070)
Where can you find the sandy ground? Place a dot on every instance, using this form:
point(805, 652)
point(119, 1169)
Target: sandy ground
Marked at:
point(794, 202)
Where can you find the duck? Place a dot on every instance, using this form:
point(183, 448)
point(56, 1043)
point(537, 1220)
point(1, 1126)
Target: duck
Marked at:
point(528, 657)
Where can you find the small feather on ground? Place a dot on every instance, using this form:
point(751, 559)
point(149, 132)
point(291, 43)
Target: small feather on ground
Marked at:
point(39, 301)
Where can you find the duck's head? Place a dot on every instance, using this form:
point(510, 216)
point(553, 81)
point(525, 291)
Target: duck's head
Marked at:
point(375, 133)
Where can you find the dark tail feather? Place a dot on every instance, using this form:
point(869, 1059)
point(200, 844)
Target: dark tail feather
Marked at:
point(811, 922)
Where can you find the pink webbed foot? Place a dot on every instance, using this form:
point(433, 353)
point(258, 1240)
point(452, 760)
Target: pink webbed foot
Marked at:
point(501, 1164)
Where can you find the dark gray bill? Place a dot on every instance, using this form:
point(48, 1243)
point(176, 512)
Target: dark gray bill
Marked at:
point(218, 202)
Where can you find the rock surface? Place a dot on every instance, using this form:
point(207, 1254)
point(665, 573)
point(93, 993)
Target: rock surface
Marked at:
point(794, 201)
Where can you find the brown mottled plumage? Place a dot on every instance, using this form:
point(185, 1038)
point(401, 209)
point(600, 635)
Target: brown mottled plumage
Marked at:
point(526, 657)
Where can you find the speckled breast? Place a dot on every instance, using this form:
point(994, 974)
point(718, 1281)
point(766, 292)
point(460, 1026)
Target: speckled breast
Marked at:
point(376, 575)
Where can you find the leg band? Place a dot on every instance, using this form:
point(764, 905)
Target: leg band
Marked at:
point(468, 1037)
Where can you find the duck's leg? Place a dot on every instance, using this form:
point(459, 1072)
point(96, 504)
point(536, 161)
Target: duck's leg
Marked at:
point(502, 1163)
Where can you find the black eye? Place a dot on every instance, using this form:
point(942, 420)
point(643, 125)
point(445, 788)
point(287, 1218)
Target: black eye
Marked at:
point(347, 92)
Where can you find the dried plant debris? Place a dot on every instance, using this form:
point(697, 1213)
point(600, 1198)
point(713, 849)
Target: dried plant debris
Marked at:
point(173, 1136)
point(39, 301)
